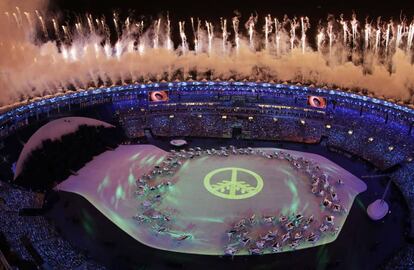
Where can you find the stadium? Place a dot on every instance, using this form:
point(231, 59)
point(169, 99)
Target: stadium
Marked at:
point(348, 134)
point(266, 142)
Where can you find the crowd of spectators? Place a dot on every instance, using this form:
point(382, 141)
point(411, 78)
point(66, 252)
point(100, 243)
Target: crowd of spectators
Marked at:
point(367, 136)
point(283, 129)
point(51, 251)
point(189, 125)
point(403, 260)
point(15, 199)
point(371, 139)
point(221, 122)
point(403, 178)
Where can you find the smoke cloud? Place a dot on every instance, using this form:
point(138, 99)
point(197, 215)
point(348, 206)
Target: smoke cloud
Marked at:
point(82, 56)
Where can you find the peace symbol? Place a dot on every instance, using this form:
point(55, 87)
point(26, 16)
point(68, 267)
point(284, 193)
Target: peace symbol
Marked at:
point(233, 188)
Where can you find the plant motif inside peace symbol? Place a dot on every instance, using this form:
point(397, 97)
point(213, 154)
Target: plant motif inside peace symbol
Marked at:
point(227, 183)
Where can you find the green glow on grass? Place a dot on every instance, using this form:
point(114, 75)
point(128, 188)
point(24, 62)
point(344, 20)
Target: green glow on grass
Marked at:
point(207, 219)
point(104, 183)
point(159, 160)
point(135, 157)
point(171, 201)
point(185, 165)
point(120, 193)
point(150, 160)
point(294, 204)
point(202, 159)
point(131, 178)
point(360, 204)
point(322, 258)
point(87, 223)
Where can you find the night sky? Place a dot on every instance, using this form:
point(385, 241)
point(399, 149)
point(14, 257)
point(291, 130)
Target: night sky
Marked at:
point(227, 8)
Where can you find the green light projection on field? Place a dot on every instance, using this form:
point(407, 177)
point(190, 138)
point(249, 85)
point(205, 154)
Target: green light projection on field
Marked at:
point(274, 187)
point(103, 184)
point(135, 157)
point(131, 178)
point(294, 204)
point(87, 222)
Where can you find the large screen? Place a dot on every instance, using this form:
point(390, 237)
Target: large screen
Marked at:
point(317, 102)
point(158, 96)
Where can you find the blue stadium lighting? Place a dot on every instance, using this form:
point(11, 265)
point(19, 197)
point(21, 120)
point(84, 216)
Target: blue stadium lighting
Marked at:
point(39, 106)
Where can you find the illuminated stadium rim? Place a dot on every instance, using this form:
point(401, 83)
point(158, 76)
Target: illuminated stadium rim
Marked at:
point(22, 107)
